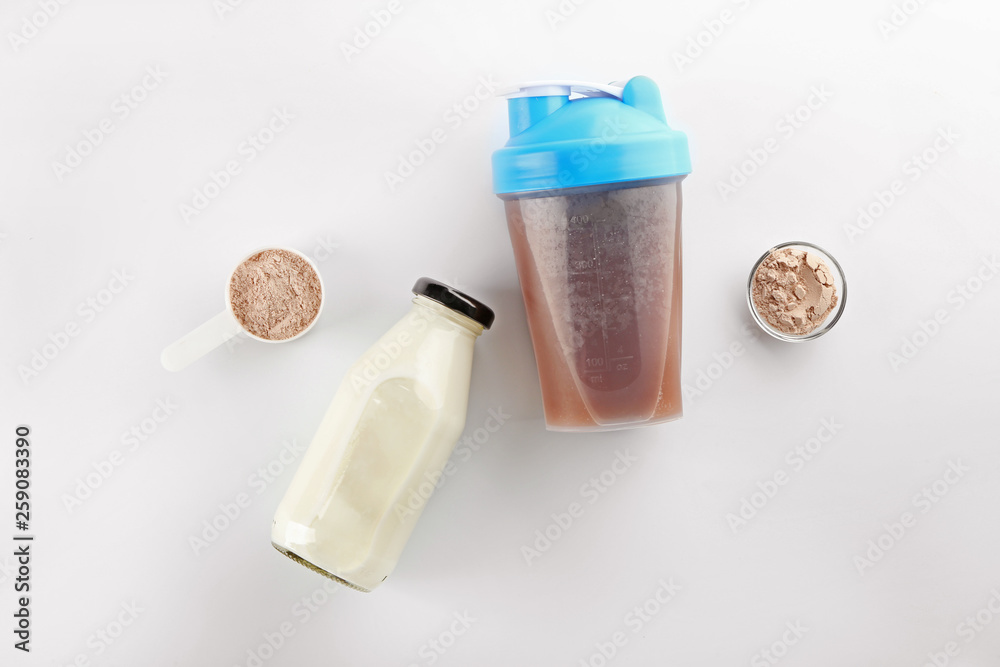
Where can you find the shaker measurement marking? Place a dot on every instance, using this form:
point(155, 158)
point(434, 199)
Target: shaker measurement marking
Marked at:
point(609, 357)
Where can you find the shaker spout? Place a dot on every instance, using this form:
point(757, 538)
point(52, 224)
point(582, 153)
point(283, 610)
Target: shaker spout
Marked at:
point(643, 94)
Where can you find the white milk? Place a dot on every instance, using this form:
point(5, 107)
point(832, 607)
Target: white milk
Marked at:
point(390, 428)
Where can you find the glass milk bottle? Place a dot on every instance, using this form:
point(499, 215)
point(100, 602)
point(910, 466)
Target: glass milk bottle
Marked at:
point(391, 426)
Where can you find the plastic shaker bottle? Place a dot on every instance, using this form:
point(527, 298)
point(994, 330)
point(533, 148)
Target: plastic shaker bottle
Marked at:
point(385, 439)
point(591, 183)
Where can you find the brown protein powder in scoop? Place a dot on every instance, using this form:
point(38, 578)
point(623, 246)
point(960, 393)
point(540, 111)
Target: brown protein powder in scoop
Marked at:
point(793, 291)
point(275, 294)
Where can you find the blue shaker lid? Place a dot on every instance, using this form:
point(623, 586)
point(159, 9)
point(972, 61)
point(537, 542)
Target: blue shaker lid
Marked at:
point(608, 134)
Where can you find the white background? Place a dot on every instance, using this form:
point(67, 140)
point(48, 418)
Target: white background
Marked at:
point(321, 183)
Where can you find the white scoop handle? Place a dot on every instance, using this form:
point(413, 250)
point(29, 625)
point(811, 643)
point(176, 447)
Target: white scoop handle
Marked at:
point(199, 342)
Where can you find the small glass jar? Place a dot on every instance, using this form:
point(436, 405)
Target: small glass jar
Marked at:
point(839, 286)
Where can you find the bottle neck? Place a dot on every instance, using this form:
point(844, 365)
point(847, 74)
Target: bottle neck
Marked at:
point(431, 308)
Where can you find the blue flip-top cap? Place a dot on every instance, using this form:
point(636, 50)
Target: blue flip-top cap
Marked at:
point(606, 134)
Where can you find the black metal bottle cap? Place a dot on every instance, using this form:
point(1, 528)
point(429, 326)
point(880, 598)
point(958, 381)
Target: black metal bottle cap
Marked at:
point(460, 302)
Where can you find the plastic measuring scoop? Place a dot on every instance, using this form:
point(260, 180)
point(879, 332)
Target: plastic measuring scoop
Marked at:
point(225, 325)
